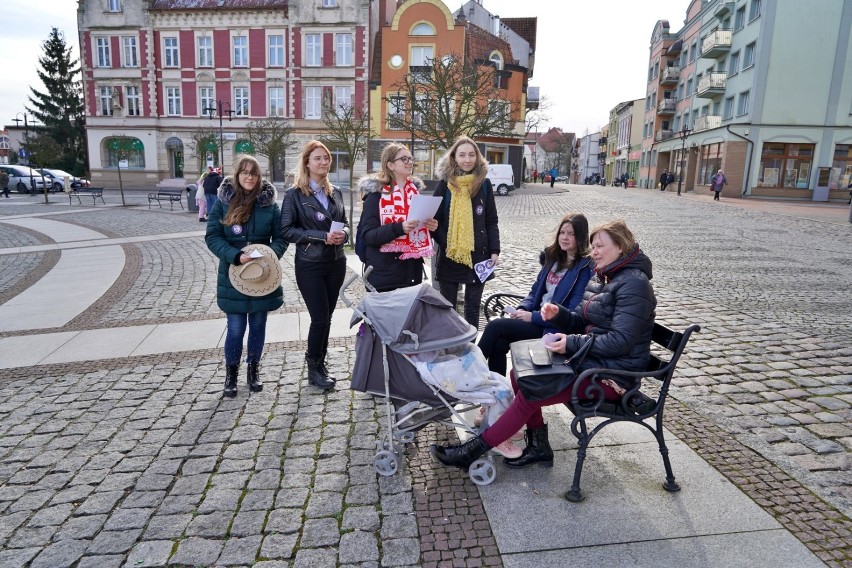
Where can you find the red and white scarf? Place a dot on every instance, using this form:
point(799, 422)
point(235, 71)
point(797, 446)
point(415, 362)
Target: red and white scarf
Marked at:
point(393, 208)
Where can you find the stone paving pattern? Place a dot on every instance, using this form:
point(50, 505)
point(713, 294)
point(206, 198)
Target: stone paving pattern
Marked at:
point(138, 462)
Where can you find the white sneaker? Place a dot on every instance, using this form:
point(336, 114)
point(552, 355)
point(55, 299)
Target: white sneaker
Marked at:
point(508, 449)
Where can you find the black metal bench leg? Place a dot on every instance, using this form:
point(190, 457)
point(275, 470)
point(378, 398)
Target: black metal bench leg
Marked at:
point(669, 484)
point(575, 495)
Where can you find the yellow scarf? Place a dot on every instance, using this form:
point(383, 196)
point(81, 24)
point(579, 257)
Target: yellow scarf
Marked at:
point(460, 227)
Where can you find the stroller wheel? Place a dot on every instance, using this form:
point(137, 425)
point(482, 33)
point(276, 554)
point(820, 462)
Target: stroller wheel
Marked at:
point(406, 437)
point(386, 463)
point(482, 471)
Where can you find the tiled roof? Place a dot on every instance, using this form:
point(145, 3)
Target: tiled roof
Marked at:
point(479, 44)
point(524, 27)
point(217, 4)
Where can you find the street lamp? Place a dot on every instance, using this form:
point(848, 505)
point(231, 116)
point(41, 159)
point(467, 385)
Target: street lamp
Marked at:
point(684, 133)
point(17, 122)
point(219, 110)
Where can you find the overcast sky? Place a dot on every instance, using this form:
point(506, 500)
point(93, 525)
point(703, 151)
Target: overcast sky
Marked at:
point(590, 56)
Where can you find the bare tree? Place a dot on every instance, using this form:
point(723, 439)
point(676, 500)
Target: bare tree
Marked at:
point(123, 148)
point(557, 146)
point(348, 130)
point(201, 141)
point(271, 137)
point(538, 117)
point(451, 97)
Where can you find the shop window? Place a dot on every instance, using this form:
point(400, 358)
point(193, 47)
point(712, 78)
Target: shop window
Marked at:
point(785, 165)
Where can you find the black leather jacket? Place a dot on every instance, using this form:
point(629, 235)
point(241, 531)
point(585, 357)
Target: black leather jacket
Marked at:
point(305, 223)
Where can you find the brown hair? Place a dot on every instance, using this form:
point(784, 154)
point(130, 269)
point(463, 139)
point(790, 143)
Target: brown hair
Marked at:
point(618, 232)
point(554, 253)
point(450, 170)
point(388, 152)
point(242, 202)
point(303, 176)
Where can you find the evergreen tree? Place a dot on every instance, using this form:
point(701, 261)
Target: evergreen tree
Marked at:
point(60, 107)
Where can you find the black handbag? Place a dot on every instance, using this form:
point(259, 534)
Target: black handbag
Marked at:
point(540, 373)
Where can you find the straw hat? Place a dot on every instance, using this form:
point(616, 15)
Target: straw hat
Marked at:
point(261, 276)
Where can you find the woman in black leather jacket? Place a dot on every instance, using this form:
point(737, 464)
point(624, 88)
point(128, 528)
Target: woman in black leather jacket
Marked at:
point(618, 309)
point(309, 209)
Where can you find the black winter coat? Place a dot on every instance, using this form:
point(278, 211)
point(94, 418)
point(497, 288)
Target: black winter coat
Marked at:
point(226, 242)
point(305, 223)
point(389, 272)
point(486, 235)
point(618, 308)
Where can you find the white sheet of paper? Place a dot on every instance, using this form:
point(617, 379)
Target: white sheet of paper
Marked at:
point(336, 226)
point(423, 207)
point(484, 269)
point(255, 254)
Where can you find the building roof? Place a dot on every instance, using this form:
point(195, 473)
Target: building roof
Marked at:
point(480, 43)
point(218, 4)
point(524, 27)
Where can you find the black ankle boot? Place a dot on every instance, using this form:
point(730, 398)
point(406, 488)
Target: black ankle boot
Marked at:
point(231, 372)
point(315, 376)
point(254, 383)
point(537, 450)
point(323, 369)
point(461, 456)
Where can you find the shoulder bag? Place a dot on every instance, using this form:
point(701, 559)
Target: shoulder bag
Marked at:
point(540, 373)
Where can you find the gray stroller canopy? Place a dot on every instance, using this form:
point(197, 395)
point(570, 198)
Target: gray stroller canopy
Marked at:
point(415, 319)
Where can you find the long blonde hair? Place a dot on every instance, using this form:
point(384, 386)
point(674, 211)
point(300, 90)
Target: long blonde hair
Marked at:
point(449, 169)
point(388, 152)
point(303, 176)
point(243, 200)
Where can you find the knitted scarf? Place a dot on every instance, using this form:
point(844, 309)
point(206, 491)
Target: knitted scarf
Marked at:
point(460, 226)
point(393, 208)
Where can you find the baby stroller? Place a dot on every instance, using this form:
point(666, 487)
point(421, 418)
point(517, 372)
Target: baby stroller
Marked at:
point(396, 327)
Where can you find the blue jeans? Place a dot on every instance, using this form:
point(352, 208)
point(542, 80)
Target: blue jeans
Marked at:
point(210, 198)
point(234, 337)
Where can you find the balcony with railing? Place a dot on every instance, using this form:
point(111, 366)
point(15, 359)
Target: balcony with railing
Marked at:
point(724, 9)
point(663, 135)
point(533, 98)
point(716, 44)
point(669, 75)
point(711, 85)
point(666, 106)
point(707, 122)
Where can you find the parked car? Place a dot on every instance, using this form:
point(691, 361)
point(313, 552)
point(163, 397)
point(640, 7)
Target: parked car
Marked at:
point(502, 178)
point(56, 179)
point(23, 179)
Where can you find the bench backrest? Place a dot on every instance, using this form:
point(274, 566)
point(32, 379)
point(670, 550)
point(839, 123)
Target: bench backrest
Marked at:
point(672, 341)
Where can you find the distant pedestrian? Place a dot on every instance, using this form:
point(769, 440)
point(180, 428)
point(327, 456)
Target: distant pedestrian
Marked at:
point(534, 175)
point(211, 186)
point(201, 202)
point(717, 182)
point(669, 178)
point(4, 183)
point(664, 180)
point(540, 177)
point(553, 173)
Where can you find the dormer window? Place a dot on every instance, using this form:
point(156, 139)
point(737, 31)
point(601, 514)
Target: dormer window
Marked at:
point(496, 59)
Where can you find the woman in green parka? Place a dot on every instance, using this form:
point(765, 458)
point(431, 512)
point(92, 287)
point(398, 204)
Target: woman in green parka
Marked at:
point(246, 213)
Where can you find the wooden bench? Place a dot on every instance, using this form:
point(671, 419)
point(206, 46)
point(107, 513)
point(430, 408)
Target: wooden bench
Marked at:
point(94, 192)
point(170, 195)
point(588, 400)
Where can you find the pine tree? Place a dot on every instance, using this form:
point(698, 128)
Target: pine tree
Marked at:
point(60, 107)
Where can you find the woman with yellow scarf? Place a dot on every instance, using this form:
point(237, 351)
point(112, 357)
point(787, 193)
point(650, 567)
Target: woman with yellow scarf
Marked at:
point(467, 225)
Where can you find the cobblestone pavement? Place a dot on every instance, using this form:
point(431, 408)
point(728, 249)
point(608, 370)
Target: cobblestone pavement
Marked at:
point(139, 462)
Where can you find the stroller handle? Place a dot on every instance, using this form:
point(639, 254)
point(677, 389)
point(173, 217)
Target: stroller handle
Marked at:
point(346, 300)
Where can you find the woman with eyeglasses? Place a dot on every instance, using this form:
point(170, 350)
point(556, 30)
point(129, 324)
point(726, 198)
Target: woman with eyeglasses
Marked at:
point(396, 245)
point(467, 226)
point(313, 218)
point(245, 213)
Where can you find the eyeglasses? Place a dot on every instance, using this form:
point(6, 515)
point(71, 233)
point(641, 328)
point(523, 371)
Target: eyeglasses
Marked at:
point(404, 159)
point(249, 174)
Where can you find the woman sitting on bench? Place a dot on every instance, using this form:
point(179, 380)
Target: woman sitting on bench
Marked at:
point(617, 309)
point(564, 274)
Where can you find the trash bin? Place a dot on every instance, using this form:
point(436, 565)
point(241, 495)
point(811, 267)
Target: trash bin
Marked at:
point(191, 205)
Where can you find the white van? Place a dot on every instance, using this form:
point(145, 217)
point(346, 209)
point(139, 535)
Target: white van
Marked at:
point(502, 178)
point(23, 179)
